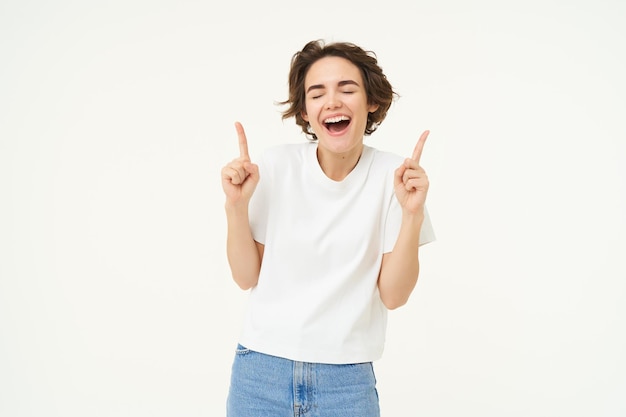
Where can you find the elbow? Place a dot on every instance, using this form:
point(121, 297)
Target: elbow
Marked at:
point(393, 303)
point(394, 297)
point(245, 284)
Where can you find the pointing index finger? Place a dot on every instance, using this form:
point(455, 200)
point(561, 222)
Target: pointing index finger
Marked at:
point(417, 152)
point(243, 142)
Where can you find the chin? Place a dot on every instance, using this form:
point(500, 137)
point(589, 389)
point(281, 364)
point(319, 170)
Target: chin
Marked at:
point(339, 144)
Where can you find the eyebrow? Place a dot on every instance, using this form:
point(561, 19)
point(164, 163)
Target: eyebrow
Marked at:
point(340, 84)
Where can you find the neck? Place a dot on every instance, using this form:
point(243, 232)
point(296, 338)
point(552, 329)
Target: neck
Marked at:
point(337, 166)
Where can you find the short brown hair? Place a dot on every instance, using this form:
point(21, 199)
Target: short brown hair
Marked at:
point(377, 88)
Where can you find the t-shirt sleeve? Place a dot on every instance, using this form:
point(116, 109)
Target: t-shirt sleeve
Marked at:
point(427, 234)
point(258, 209)
point(393, 222)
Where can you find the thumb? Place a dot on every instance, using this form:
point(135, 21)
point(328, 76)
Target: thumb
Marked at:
point(398, 174)
point(252, 170)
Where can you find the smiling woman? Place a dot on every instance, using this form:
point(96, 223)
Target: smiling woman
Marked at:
point(326, 235)
point(337, 109)
point(372, 80)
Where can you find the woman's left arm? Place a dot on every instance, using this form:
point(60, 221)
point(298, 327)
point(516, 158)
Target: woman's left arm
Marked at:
point(400, 267)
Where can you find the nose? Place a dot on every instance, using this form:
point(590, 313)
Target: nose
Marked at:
point(332, 102)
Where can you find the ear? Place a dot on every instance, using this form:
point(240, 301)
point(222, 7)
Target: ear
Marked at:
point(304, 116)
point(372, 108)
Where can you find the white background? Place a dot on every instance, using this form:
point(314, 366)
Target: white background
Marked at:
point(116, 117)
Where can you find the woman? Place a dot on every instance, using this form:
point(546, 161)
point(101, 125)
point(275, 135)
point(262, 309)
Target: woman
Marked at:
point(325, 233)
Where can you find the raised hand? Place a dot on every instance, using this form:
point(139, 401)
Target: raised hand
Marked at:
point(240, 176)
point(411, 182)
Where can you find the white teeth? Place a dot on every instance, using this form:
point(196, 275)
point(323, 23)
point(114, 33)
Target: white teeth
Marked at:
point(336, 119)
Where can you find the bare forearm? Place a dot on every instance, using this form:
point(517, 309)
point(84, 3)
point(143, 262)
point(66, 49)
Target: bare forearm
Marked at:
point(400, 268)
point(241, 249)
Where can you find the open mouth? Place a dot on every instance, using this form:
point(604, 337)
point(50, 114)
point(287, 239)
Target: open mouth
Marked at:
point(337, 123)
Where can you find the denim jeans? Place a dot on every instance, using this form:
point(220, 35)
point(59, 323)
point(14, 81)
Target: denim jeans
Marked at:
point(268, 386)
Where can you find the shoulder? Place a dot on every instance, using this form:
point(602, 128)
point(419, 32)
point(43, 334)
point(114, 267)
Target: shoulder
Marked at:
point(284, 158)
point(384, 160)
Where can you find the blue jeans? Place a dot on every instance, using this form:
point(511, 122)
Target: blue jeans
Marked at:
point(268, 386)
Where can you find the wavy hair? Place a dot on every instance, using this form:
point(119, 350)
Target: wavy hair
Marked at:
point(378, 89)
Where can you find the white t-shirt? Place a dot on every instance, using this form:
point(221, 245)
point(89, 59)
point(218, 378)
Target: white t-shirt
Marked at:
point(317, 297)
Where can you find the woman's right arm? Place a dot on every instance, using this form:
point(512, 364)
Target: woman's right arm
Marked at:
point(239, 180)
point(244, 253)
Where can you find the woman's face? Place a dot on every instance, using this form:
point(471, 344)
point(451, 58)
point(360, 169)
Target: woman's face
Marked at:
point(336, 104)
